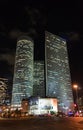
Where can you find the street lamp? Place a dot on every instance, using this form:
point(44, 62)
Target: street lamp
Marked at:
point(75, 86)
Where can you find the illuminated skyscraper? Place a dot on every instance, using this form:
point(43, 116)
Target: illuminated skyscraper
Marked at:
point(58, 81)
point(3, 90)
point(39, 80)
point(44, 79)
point(23, 72)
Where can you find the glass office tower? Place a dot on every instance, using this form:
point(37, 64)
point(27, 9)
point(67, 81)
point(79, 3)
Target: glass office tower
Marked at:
point(58, 81)
point(38, 82)
point(23, 72)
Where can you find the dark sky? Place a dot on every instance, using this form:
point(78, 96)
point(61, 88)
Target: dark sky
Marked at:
point(32, 17)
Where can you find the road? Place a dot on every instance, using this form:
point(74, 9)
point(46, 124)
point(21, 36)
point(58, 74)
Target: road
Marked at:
point(43, 123)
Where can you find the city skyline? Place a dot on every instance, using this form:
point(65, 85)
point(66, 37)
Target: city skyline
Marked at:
point(47, 78)
point(33, 18)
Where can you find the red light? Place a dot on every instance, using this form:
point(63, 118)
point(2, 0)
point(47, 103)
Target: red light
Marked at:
point(75, 105)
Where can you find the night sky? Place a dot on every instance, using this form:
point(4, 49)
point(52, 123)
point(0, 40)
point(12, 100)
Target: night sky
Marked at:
point(32, 18)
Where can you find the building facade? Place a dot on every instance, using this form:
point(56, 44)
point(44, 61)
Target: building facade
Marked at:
point(3, 90)
point(39, 79)
point(58, 81)
point(39, 106)
point(49, 78)
point(23, 72)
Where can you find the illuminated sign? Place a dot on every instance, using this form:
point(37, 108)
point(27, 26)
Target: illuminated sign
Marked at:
point(43, 106)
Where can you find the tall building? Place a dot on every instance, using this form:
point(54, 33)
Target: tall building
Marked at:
point(58, 81)
point(38, 79)
point(3, 90)
point(49, 78)
point(23, 72)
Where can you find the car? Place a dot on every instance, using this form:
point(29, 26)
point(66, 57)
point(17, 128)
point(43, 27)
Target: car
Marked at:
point(70, 114)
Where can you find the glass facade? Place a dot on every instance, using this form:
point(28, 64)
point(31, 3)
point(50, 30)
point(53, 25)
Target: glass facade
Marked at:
point(38, 82)
point(42, 79)
point(23, 72)
point(58, 81)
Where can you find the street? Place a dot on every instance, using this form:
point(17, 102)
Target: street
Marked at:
point(43, 123)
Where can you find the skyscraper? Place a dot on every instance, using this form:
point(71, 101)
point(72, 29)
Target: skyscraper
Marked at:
point(38, 79)
point(23, 72)
point(58, 81)
point(49, 78)
point(3, 90)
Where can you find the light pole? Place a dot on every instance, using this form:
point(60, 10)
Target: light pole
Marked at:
point(75, 86)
